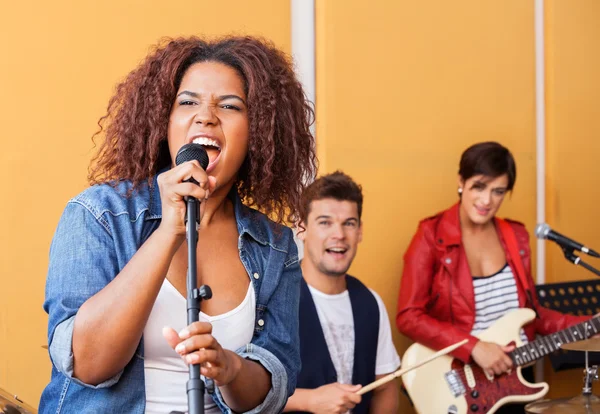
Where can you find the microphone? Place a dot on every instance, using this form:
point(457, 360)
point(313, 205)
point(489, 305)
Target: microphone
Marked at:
point(191, 152)
point(195, 386)
point(186, 153)
point(543, 231)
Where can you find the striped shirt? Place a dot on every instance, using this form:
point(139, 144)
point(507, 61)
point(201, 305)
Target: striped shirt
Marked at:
point(495, 296)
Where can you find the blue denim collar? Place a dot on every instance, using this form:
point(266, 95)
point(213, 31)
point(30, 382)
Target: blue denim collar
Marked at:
point(250, 221)
point(155, 206)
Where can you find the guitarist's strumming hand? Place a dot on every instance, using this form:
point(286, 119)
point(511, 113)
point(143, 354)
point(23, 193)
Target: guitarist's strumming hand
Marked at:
point(492, 357)
point(334, 398)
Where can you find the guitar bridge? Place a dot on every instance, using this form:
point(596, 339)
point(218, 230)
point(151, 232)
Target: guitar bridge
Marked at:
point(457, 388)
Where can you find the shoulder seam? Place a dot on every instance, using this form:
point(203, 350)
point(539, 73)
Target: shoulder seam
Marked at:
point(94, 213)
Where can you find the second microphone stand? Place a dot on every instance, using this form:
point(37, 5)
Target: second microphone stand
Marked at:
point(576, 260)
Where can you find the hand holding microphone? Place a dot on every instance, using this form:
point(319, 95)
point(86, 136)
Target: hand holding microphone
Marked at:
point(185, 180)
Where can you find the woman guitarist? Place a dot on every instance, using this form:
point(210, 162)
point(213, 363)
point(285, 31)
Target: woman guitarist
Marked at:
point(465, 268)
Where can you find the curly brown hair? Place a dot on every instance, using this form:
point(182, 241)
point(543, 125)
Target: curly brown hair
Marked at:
point(281, 150)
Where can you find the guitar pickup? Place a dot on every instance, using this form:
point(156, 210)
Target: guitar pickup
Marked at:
point(457, 388)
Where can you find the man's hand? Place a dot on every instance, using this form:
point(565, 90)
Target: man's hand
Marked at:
point(334, 398)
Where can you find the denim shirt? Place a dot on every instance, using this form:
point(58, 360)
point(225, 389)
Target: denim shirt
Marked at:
point(99, 232)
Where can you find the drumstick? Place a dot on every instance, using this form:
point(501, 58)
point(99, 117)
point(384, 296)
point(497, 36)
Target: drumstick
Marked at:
point(403, 371)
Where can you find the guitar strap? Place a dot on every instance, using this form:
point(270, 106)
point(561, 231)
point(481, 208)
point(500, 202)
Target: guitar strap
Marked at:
point(513, 250)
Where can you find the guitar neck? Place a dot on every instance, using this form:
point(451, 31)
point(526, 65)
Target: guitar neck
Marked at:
point(543, 346)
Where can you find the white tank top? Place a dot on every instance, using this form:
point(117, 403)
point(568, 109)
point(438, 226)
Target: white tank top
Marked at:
point(165, 372)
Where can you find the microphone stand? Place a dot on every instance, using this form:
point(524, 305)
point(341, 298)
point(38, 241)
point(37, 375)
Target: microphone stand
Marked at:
point(195, 385)
point(576, 260)
point(590, 373)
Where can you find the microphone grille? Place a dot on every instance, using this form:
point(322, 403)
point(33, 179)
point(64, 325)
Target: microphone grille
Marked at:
point(541, 230)
point(191, 152)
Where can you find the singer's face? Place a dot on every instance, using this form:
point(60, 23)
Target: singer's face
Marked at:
point(331, 236)
point(210, 109)
point(482, 196)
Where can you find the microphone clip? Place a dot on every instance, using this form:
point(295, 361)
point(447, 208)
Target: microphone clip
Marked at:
point(576, 260)
point(570, 255)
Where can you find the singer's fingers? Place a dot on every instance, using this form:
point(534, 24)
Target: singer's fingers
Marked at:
point(211, 371)
point(191, 169)
point(196, 328)
point(185, 172)
point(181, 190)
point(201, 356)
point(171, 336)
point(195, 343)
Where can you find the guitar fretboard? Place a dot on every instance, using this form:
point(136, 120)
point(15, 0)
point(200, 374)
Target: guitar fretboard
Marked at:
point(535, 350)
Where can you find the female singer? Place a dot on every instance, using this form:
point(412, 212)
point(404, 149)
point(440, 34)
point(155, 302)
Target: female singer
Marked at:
point(116, 285)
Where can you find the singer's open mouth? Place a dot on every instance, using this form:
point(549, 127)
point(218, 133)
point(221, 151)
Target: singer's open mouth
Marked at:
point(213, 159)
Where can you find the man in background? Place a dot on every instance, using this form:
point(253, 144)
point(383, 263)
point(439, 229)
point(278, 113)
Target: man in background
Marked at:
point(345, 335)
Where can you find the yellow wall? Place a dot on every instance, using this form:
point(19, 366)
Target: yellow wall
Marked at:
point(60, 62)
point(573, 132)
point(402, 89)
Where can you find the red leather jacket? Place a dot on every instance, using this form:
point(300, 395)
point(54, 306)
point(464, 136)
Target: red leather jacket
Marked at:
point(436, 305)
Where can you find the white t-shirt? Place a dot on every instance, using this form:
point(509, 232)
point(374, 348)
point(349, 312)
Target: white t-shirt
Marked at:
point(337, 322)
point(165, 372)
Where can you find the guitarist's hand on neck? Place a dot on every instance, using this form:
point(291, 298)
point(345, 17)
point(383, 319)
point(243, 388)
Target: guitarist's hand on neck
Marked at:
point(492, 357)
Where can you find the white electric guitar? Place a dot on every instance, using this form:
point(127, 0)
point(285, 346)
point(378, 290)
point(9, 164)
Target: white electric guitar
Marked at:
point(448, 386)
